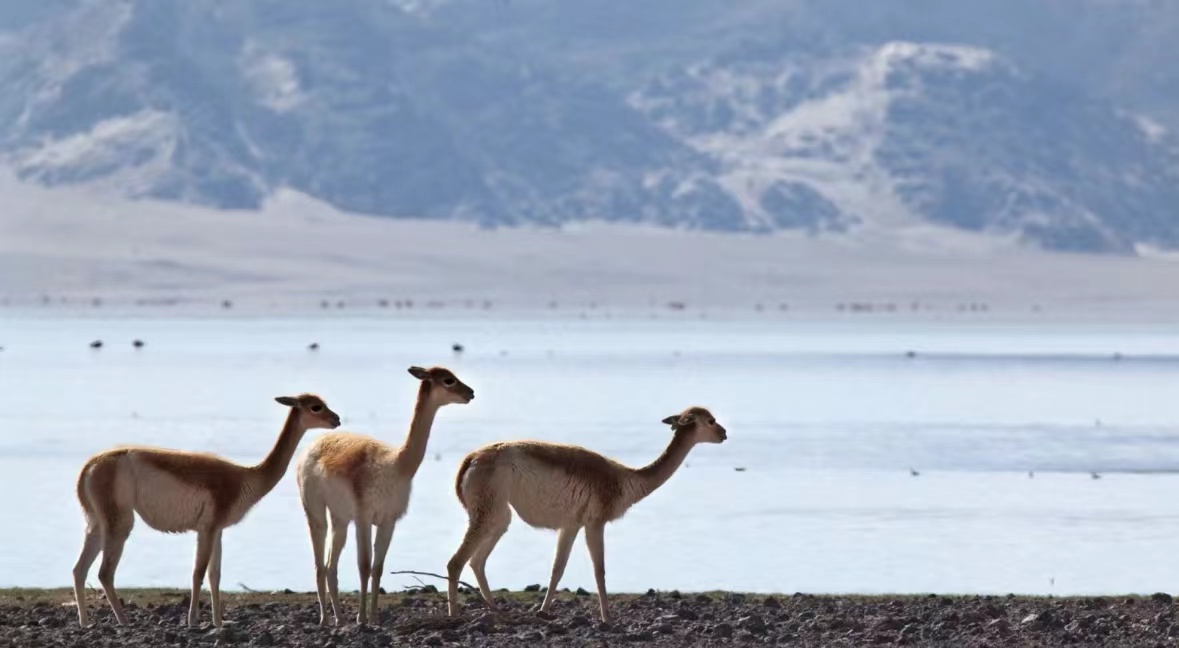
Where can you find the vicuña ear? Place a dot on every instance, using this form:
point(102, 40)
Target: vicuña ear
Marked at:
point(287, 400)
point(419, 373)
point(671, 420)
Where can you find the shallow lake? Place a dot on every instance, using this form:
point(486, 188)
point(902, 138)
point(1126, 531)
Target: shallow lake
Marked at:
point(813, 491)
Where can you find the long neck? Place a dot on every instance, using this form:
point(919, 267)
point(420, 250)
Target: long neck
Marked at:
point(274, 466)
point(656, 473)
point(413, 451)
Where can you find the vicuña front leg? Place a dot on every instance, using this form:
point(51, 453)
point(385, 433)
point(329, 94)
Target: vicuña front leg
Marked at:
point(384, 536)
point(204, 553)
point(595, 540)
point(364, 561)
point(215, 580)
point(565, 538)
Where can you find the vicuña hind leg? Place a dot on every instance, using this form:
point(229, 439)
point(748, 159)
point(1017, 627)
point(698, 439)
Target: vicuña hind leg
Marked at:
point(317, 527)
point(565, 538)
point(478, 530)
point(114, 537)
point(339, 539)
point(498, 526)
point(90, 548)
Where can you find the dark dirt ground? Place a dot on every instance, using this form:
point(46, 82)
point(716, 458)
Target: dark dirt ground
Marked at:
point(47, 618)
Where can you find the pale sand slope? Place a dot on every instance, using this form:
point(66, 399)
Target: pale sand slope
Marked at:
point(68, 242)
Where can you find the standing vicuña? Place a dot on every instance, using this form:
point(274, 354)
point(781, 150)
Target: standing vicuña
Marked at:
point(176, 491)
point(562, 487)
point(358, 479)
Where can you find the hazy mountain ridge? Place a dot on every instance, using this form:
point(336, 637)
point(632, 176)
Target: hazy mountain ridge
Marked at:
point(447, 109)
point(950, 134)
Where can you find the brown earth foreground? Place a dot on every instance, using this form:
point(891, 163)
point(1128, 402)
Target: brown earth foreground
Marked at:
point(47, 618)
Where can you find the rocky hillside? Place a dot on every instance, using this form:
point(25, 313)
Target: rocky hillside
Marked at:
point(452, 109)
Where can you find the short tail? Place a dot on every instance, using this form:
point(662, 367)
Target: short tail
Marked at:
point(87, 509)
point(458, 480)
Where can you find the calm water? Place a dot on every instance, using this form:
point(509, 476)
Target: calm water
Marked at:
point(825, 420)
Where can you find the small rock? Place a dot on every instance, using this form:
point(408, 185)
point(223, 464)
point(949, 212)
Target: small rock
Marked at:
point(530, 636)
point(49, 622)
point(640, 637)
point(1001, 625)
point(604, 627)
point(264, 638)
point(433, 640)
point(722, 630)
point(579, 621)
point(772, 603)
point(752, 623)
point(581, 592)
point(662, 628)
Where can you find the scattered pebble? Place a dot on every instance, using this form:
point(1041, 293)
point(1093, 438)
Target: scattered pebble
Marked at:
point(653, 619)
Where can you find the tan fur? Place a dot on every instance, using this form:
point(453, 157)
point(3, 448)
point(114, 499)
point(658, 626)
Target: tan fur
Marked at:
point(354, 478)
point(176, 491)
point(562, 487)
point(350, 457)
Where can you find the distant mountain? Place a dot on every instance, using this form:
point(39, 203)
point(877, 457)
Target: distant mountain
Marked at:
point(950, 134)
point(755, 116)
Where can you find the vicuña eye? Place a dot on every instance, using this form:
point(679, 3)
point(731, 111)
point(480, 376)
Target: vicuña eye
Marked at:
point(317, 408)
point(449, 382)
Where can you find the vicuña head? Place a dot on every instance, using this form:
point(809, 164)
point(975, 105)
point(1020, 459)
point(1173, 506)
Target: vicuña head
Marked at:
point(311, 412)
point(441, 387)
point(699, 424)
point(354, 478)
point(562, 487)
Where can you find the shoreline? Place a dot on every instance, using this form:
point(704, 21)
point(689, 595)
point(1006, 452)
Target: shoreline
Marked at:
point(36, 617)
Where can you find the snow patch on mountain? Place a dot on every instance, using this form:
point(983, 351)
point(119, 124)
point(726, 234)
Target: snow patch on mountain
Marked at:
point(127, 154)
point(273, 78)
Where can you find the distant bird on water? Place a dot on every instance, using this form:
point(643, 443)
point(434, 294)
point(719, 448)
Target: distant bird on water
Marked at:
point(138, 344)
point(456, 347)
point(913, 473)
point(314, 346)
point(97, 344)
point(1094, 475)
